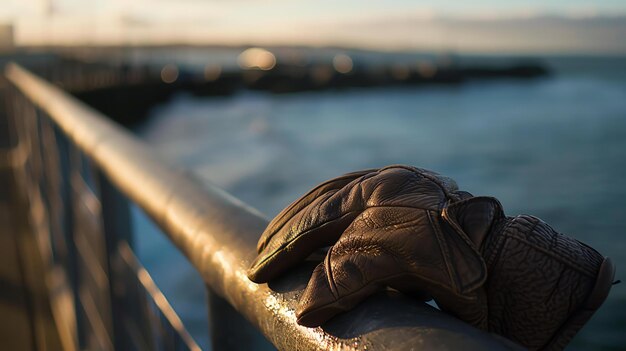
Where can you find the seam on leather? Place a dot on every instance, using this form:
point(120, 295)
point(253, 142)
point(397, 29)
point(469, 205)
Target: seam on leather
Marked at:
point(453, 223)
point(461, 233)
point(569, 264)
point(522, 238)
point(284, 245)
point(377, 281)
point(284, 212)
point(423, 175)
point(331, 192)
point(498, 245)
point(342, 216)
point(329, 275)
point(443, 248)
point(343, 177)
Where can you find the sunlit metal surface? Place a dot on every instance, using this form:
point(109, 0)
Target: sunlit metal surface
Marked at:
point(218, 235)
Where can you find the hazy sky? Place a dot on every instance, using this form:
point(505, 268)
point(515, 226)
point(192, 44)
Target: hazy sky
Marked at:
point(482, 26)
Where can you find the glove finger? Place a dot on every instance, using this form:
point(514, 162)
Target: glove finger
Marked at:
point(342, 281)
point(326, 217)
point(383, 246)
point(321, 222)
point(318, 225)
point(286, 214)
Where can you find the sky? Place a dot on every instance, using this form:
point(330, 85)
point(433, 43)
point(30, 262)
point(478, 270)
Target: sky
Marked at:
point(514, 26)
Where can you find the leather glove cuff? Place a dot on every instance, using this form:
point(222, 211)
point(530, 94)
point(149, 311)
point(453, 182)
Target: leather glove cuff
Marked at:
point(542, 286)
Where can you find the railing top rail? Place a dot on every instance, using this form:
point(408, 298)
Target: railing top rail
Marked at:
point(218, 234)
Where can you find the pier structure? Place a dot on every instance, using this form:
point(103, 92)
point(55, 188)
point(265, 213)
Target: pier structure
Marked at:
point(126, 90)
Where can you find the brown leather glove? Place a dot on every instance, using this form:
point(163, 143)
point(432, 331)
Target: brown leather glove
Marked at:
point(413, 230)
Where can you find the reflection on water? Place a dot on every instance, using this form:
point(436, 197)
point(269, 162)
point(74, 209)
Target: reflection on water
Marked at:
point(555, 148)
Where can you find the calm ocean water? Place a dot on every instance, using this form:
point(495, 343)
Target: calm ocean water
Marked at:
point(553, 147)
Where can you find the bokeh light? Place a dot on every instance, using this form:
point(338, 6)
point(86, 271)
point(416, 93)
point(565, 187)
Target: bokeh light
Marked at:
point(426, 69)
point(342, 63)
point(400, 72)
point(257, 58)
point(212, 72)
point(169, 73)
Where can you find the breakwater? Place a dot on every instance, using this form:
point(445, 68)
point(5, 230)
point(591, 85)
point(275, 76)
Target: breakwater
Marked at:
point(127, 91)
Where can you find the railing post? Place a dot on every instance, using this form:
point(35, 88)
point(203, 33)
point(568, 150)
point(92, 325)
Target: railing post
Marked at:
point(28, 323)
point(17, 326)
point(230, 330)
point(117, 229)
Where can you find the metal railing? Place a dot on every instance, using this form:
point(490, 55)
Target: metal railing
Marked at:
point(82, 171)
point(101, 297)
